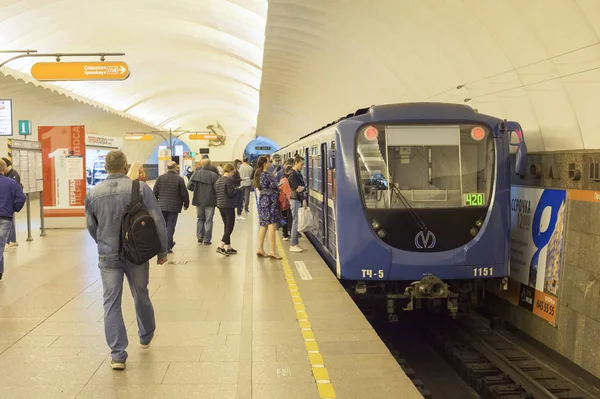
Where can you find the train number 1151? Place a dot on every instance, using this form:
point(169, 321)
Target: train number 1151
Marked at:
point(483, 272)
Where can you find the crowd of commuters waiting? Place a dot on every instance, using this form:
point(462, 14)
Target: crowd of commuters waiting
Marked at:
point(280, 192)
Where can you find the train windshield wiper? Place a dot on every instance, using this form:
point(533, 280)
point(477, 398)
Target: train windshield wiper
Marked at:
point(409, 208)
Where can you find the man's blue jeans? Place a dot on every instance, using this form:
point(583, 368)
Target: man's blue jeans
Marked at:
point(112, 273)
point(205, 222)
point(13, 232)
point(171, 222)
point(5, 228)
point(246, 193)
point(295, 206)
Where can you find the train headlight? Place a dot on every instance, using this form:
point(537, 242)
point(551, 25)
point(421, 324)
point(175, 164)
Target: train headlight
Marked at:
point(371, 133)
point(375, 225)
point(479, 223)
point(381, 233)
point(474, 231)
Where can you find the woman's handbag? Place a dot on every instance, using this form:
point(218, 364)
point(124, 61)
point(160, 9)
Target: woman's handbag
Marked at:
point(306, 221)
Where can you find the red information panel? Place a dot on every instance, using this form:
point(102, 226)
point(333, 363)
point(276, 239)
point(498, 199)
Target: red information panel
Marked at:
point(73, 139)
point(545, 306)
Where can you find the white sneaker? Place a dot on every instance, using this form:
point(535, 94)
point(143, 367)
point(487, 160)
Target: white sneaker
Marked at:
point(13, 244)
point(117, 365)
point(285, 238)
point(240, 218)
point(296, 248)
point(147, 345)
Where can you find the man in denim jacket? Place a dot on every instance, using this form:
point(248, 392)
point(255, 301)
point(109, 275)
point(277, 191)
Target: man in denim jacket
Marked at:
point(104, 208)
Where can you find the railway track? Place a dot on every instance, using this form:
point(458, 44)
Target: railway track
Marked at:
point(496, 367)
point(491, 363)
point(428, 371)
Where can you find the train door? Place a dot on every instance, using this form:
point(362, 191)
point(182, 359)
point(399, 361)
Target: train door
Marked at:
point(306, 166)
point(324, 190)
point(314, 195)
point(331, 204)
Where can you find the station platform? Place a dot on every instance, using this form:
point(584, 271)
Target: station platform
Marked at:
point(227, 327)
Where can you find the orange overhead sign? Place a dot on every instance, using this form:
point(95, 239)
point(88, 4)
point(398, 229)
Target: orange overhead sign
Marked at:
point(145, 137)
point(203, 136)
point(105, 70)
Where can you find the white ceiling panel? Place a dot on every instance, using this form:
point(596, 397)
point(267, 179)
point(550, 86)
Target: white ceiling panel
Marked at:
point(192, 62)
point(534, 61)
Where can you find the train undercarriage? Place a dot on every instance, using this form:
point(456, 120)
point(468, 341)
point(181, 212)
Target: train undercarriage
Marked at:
point(430, 293)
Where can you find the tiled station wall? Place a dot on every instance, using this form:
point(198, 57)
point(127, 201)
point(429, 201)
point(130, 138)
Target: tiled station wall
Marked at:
point(577, 334)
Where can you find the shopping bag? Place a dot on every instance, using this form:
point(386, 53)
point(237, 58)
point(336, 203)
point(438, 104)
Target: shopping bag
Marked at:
point(306, 221)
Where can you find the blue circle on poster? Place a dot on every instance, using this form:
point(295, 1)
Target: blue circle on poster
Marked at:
point(543, 225)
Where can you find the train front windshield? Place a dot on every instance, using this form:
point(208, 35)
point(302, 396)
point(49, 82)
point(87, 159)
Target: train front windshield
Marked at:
point(426, 166)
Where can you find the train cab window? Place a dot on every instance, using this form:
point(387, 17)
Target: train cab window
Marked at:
point(441, 166)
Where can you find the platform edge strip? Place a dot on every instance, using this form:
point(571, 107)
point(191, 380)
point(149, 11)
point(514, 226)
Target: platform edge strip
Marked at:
point(315, 358)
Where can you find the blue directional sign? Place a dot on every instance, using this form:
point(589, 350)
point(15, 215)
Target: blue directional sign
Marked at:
point(24, 128)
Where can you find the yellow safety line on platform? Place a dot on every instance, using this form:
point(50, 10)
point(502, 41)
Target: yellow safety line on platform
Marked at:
point(315, 358)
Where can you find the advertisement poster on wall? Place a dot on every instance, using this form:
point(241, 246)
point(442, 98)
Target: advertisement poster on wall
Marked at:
point(97, 147)
point(71, 138)
point(6, 121)
point(538, 228)
point(95, 140)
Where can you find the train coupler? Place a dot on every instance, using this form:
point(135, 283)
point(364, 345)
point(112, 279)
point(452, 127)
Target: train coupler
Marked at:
point(430, 288)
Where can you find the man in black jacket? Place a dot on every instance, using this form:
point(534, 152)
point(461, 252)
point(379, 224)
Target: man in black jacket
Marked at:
point(202, 184)
point(171, 194)
point(12, 174)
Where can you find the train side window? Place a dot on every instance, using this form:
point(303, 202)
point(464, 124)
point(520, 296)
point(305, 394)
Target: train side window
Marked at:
point(315, 182)
point(314, 169)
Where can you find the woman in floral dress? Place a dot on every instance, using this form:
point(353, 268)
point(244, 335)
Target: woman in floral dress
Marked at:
point(268, 206)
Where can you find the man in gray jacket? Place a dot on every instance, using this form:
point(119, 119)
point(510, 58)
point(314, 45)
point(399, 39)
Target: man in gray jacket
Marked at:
point(246, 173)
point(202, 184)
point(104, 209)
point(171, 194)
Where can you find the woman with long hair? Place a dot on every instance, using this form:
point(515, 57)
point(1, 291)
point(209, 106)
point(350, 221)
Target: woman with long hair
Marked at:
point(268, 206)
point(134, 170)
point(142, 176)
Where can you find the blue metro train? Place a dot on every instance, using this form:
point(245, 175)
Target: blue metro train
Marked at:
point(412, 201)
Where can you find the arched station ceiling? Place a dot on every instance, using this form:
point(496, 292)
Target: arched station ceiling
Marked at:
point(191, 62)
point(533, 61)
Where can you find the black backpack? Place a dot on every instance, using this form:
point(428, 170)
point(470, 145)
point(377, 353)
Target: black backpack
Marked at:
point(139, 237)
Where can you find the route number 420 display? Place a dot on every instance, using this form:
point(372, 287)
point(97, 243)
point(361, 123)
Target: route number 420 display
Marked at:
point(483, 272)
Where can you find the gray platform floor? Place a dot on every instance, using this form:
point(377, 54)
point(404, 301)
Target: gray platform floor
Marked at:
point(237, 327)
